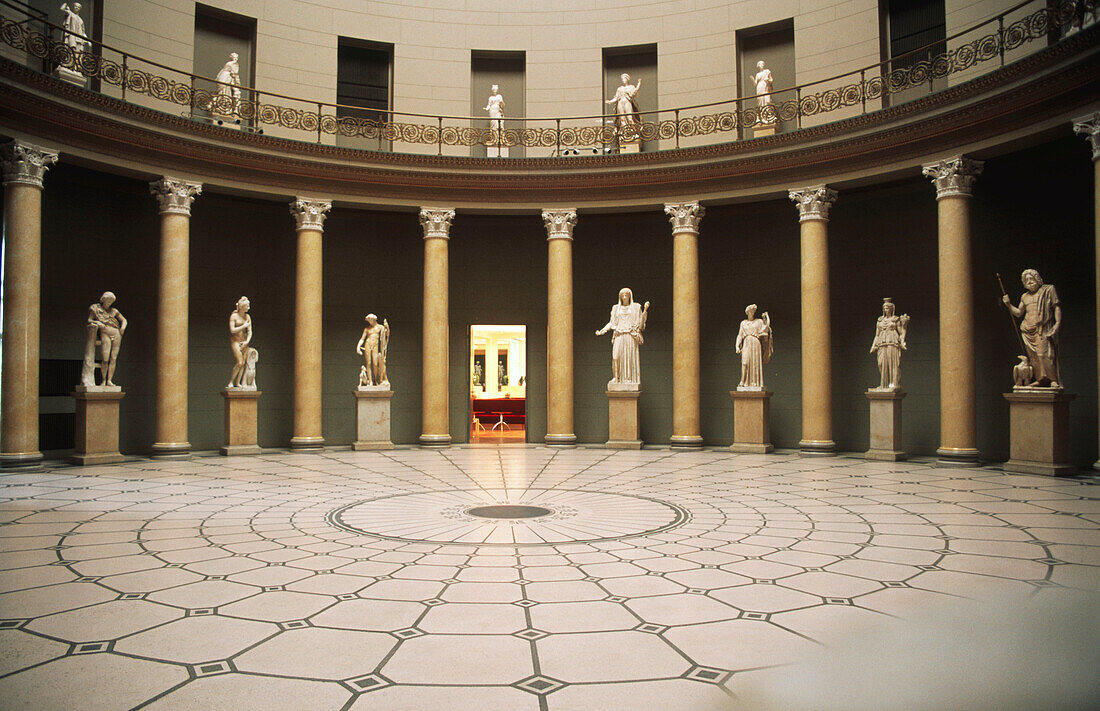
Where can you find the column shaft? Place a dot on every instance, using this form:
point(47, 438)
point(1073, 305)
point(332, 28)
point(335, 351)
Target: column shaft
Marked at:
point(307, 341)
point(685, 339)
point(22, 277)
point(436, 401)
point(172, 321)
point(559, 326)
point(817, 369)
point(1096, 262)
point(958, 432)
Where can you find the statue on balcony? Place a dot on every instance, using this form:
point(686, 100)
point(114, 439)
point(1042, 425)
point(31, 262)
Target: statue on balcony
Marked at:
point(754, 343)
point(890, 331)
point(74, 35)
point(627, 112)
point(229, 84)
point(495, 107)
point(106, 325)
point(764, 82)
point(1040, 316)
point(374, 345)
point(240, 336)
point(627, 323)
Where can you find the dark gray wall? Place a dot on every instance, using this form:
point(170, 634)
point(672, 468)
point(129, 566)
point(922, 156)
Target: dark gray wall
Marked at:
point(1030, 209)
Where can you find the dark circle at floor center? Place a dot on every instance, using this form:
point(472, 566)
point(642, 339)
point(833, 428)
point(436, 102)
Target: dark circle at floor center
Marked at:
point(508, 511)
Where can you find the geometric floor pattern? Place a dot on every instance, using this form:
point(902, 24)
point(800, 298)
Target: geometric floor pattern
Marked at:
point(653, 580)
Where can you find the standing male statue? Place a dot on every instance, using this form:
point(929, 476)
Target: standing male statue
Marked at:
point(106, 324)
point(74, 36)
point(1040, 317)
point(374, 345)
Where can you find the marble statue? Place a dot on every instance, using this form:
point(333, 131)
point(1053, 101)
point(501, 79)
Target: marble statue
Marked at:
point(1040, 317)
point(74, 36)
point(627, 323)
point(373, 345)
point(763, 81)
point(106, 325)
point(240, 336)
point(495, 107)
point(889, 342)
point(1022, 373)
point(229, 81)
point(626, 104)
point(754, 343)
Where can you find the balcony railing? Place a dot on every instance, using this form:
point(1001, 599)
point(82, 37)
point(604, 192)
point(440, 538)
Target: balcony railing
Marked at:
point(1010, 35)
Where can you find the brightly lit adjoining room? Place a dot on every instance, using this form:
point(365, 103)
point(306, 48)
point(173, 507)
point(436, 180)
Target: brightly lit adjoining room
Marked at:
point(657, 356)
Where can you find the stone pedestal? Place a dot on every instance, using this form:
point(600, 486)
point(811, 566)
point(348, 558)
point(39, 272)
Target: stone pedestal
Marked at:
point(765, 130)
point(97, 424)
point(495, 152)
point(1039, 432)
point(622, 419)
point(241, 417)
point(632, 146)
point(751, 421)
point(68, 75)
point(886, 425)
point(372, 417)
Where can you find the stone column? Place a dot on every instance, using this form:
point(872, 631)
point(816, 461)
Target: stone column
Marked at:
point(174, 198)
point(559, 330)
point(24, 166)
point(817, 369)
point(954, 180)
point(309, 220)
point(435, 414)
point(685, 218)
point(1089, 127)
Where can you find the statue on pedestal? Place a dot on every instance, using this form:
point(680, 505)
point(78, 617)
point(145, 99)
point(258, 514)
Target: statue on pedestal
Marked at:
point(240, 336)
point(763, 81)
point(229, 84)
point(627, 323)
point(495, 107)
point(374, 345)
point(106, 325)
point(626, 104)
point(754, 343)
point(890, 331)
point(74, 35)
point(1040, 316)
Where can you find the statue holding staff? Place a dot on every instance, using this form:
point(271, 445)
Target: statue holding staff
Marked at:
point(627, 323)
point(754, 343)
point(1040, 315)
point(890, 332)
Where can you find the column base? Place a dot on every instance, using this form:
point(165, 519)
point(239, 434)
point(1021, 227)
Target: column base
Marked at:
point(817, 448)
point(241, 421)
point(561, 440)
point(622, 419)
point(686, 442)
point(751, 421)
point(1039, 433)
point(958, 457)
point(372, 418)
point(885, 425)
point(307, 442)
point(97, 426)
point(171, 450)
point(18, 460)
point(435, 440)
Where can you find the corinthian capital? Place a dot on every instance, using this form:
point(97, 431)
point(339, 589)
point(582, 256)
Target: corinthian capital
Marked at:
point(954, 177)
point(684, 216)
point(436, 222)
point(813, 202)
point(24, 163)
point(1089, 127)
point(309, 214)
point(559, 223)
point(174, 196)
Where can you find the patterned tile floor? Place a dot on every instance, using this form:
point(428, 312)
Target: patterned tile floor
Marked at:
point(649, 580)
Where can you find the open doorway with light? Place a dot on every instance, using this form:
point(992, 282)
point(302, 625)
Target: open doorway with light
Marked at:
point(498, 384)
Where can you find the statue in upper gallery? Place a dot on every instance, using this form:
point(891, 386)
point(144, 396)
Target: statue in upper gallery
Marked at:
point(627, 323)
point(495, 107)
point(890, 331)
point(106, 324)
point(229, 83)
point(763, 81)
point(754, 343)
point(74, 35)
point(625, 100)
point(374, 345)
point(240, 338)
point(1040, 317)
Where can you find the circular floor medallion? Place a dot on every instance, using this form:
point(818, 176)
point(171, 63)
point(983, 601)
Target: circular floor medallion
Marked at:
point(508, 517)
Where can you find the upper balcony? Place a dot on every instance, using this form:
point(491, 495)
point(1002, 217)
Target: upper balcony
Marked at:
point(1017, 77)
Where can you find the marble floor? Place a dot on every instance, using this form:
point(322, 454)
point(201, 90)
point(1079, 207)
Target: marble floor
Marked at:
point(633, 580)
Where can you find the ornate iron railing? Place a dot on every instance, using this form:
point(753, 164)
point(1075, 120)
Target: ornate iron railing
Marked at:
point(259, 108)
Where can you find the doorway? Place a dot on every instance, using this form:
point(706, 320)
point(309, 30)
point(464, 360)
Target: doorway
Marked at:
point(498, 384)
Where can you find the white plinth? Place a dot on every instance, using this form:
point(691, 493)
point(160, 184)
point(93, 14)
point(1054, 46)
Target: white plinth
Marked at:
point(372, 417)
